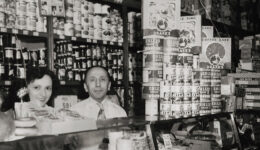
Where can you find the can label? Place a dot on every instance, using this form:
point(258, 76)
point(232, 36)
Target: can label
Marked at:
point(195, 77)
point(187, 110)
point(2, 19)
point(187, 93)
point(9, 53)
point(195, 108)
point(151, 107)
point(165, 90)
point(195, 93)
point(170, 58)
point(165, 108)
point(152, 74)
point(97, 22)
point(179, 74)
point(22, 22)
point(152, 59)
point(205, 92)
point(184, 58)
point(187, 74)
point(177, 110)
point(153, 43)
point(170, 44)
point(216, 90)
point(205, 108)
point(31, 23)
point(177, 93)
point(151, 91)
point(169, 73)
point(31, 9)
point(205, 77)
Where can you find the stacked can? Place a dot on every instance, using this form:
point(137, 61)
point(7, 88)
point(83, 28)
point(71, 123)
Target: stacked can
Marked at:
point(131, 30)
point(41, 21)
point(152, 73)
point(10, 16)
point(216, 103)
point(116, 26)
point(2, 13)
point(205, 91)
point(195, 92)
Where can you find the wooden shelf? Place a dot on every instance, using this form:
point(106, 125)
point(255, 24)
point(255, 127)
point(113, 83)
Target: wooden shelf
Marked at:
point(79, 39)
point(23, 32)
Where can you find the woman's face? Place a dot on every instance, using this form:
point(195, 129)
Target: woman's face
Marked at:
point(40, 90)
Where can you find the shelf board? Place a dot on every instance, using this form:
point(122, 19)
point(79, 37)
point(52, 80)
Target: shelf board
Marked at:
point(78, 83)
point(79, 39)
point(23, 32)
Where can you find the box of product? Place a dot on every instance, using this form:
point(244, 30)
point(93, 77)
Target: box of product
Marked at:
point(162, 17)
point(190, 34)
point(207, 31)
point(216, 53)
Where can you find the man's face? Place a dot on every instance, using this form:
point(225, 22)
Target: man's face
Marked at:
point(40, 90)
point(97, 83)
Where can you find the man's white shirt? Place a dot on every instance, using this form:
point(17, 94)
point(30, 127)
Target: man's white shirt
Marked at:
point(90, 108)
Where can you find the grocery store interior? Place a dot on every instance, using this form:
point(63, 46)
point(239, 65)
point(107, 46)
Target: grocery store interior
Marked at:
point(129, 75)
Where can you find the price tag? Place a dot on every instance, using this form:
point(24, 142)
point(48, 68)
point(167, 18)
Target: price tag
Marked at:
point(3, 30)
point(62, 82)
point(14, 31)
point(7, 82)
point(25, 32)
point(88, 40)
point(94, 41)
point(35, 33)
point(62, 37)
point(104, 42)
point(73, 38)
point(167, 141)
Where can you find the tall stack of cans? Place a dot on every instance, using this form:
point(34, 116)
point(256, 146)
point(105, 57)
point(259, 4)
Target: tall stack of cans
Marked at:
point(152, 73)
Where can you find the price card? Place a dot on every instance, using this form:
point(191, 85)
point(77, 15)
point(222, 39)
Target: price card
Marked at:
point(94, 41)
point(167, 141)
point(14, 31)
point(88, 40)
point(3, 30)
point(35, 33)
point(62, 82)
point(104, 42)
point(25, 32)
point(65, 101)
point(73, 38)
point(7, 82)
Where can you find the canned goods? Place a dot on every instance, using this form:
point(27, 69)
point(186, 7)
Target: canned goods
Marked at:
point(177, 93)
point(205, 108)
point(69, 29)
point(77, 5)
point(195, 93)
point(105, 9)
point(97, 22)
point(152, 74)
point(187, 93)
point(195, 77)
point(84, 8)
point(151, 107)
point(31, 8)
point(165, 90)
point(184, 58)
point(179, 74)
point(216, 107)
point(21, 7)
point(105, 23)
point(187, 109)
point(106, 35)
point(77, 17)
point(205, 77)
point(170, 44)
point(2, 19)
point(91, 21)
point(98, 34)
point(195, 108)
point(40, 24)
point(177, 110)
point(85, 22)
point(151, 91)
point(97, 8)
point(31, 23)
point(169, 73)
point(11, 20)
point(187, 74)
point(90, 7)
point(215, 77)
point(205, 92)
point(196, 61)
point(152, 59)
point(91, 33)
point(165, 108)
point(21, 22)
point(77, 30)
point(154, 43)
point(170, 58)
point(70, 15)
point(2, 6)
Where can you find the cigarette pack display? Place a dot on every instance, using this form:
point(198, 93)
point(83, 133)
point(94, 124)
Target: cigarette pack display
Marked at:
point(162, 17)
point(207, 32)
point(190, 34)
point(216, 53)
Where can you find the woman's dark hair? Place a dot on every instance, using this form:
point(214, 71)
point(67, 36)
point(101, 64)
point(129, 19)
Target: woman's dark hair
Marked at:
point(32, 74)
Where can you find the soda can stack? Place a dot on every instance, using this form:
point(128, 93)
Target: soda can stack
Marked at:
point(205, 91)
point(152, 73)
point(216, 102)
point(195, 92)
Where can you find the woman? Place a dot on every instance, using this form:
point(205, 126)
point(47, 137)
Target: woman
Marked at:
point(40, 89)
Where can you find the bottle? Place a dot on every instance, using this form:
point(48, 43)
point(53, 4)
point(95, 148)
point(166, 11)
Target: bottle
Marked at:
point(25, 55)
point(1, 49)
point(18, 57)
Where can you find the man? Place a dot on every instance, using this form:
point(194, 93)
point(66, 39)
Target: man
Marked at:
point(98, 106)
